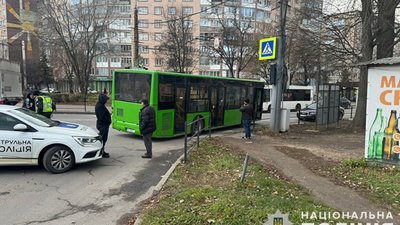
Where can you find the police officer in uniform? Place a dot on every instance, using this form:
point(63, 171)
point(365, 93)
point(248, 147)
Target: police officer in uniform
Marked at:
point(44, 105)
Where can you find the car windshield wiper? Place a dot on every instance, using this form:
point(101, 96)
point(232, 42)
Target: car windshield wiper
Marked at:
point(55, 123)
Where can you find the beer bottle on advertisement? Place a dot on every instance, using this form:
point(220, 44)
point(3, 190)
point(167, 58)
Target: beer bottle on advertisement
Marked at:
point(378, 140)
point(394, 154)
point(375, 127)
point(388, 140)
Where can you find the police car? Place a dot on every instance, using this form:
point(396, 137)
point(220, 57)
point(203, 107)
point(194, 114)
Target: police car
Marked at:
point(27, 138)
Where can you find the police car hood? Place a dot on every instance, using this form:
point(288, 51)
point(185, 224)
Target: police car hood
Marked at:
point(73, 129)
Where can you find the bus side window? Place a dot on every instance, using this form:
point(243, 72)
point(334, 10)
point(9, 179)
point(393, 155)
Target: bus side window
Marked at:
point(166, 92)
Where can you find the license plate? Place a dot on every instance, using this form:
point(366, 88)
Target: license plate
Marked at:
point(130, 130)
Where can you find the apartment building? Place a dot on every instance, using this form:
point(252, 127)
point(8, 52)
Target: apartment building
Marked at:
point(152, 24)
point(115, 45)
point(205, 16)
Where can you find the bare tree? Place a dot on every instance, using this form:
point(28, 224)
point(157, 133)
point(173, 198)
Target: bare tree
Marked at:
point(178, 44)
point(387, 30)
point(233, 42)
point(77, 26)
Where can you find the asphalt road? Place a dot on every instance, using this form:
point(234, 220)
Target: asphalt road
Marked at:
point(106, 191)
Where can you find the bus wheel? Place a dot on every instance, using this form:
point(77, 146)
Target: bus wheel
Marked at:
point(199, 125)
point(298, 107)
point(269, 109)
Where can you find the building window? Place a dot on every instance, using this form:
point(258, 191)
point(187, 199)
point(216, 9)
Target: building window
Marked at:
point(205, 23)
point(126, 22)
point(143, 23)
point(265, 3)
point(171, 10)
point(115, 59)
point(125, 9)
point(143, 49)
point(126, 60)
point(143, 37)
point(144, 61)
point(188, 23)
point(102, 71)
point(187, 10)
point(157, 23)
point(158, 36)
point(101, 59)
point(247, 13)
point(143, 10)
point(158, 10)
point(126, 48)
point(159, 62)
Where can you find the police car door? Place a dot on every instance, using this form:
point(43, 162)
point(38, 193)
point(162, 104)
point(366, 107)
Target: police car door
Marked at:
point(15, 146)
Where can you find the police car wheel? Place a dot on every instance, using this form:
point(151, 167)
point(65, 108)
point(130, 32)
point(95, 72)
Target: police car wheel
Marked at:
point(58, 159)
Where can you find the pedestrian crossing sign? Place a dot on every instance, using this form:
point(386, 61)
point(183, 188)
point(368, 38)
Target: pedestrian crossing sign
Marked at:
point(267, 48)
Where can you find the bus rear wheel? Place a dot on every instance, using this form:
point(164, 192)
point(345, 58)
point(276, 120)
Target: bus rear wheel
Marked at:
point(269, 109)
point(199, 125)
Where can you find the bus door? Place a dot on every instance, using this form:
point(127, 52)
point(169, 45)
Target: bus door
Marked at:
point(217, 106)
point(179, 125)
point(258, 102)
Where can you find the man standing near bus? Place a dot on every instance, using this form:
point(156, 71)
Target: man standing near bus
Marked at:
point(103, 120)
point(147, 124)
point(247, 116)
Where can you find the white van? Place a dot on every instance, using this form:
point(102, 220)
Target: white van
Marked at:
point(27, 138)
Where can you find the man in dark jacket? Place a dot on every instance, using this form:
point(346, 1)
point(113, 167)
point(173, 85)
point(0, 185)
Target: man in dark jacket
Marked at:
point(29, 102)
point(147, 126)
point(247, 116)
point(103, 120)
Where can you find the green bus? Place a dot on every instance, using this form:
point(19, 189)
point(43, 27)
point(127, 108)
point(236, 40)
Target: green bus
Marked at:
point(177, 98)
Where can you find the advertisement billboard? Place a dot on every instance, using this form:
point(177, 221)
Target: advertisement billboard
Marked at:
point(382, 137)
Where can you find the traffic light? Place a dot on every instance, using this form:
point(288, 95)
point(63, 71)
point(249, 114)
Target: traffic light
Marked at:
point(272, 74)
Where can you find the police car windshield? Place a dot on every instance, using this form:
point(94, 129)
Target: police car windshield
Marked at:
point(34, 117)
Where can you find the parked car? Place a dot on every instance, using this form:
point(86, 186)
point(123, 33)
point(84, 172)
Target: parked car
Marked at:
point(47, 91)
point(12, 101)
point(309, 113)
point(345, 103)
point(27, 138)
point(91, 91)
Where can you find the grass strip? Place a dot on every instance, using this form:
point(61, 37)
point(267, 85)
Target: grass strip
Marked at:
point(207, 190)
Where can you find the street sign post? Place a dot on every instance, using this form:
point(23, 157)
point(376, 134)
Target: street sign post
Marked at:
point(267, 49)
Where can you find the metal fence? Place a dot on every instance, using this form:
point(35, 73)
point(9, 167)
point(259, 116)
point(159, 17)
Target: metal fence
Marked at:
point(192, 135)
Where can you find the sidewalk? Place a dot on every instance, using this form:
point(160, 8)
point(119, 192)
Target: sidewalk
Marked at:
point(76, 109)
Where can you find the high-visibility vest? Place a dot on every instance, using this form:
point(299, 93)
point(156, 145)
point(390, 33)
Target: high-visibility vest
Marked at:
point(47, 103)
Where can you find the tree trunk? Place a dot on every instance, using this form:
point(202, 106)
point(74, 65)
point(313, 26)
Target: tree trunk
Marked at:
point(367, 51)
point(385, 36)
point(70, 83)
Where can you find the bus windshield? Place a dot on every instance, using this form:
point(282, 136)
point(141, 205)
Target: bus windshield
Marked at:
point(132, 88)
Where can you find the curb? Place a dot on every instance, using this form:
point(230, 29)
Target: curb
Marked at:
point(72, 112)
point(157, 188)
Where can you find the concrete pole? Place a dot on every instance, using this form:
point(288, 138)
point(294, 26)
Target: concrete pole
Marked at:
point(277, 89)
point(135, 38)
